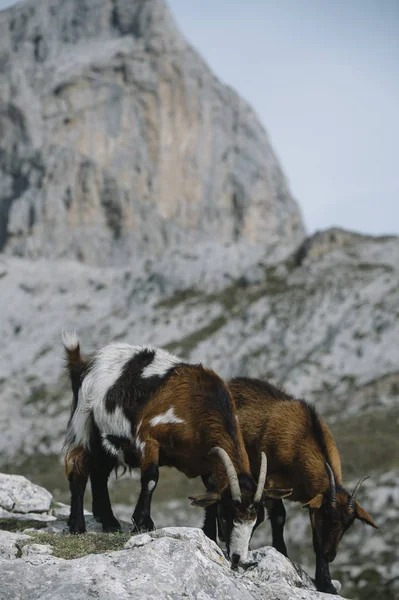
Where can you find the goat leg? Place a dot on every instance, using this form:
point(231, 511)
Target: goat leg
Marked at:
point(77, 485)
point(101, 506)
point(276, 511)
point(322, 577)
point(149, 478)
point(210, 519)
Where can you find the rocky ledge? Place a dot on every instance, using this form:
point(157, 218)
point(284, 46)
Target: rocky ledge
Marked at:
point(38, 560)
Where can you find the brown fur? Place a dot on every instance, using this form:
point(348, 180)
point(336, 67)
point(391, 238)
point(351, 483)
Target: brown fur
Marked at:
point(300, 450)
point(76, 461)
point(186, 445)
point(281, 427)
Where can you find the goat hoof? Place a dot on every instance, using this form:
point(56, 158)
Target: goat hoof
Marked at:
point(75, 530)
point(143, 525)
point(326, 588)
point(112, 528)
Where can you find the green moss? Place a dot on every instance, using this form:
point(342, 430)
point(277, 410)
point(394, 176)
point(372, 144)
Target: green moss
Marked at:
point(367, 441)
point(21, 524)
point(42, 396)
point(38, 394)
point(178, 297)
point(187, 344)
point(75, 546)
point(372, 266)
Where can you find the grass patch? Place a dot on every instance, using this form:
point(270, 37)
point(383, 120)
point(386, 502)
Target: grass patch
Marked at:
point(75, 546)
point(187, 344)
point(368, 442)
point(177, 298)
point(17, 525)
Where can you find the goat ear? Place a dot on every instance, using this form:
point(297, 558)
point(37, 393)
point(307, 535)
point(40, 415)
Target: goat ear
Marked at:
point(205, 499)
point(363, 515)
point(276, 493)
point(315, 502)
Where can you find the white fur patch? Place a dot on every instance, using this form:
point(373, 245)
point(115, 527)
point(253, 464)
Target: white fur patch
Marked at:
point(110, 448)
point(151, 485)
point(140, 446)
point(161, 363)
point(240, 537)
point(80, 424)
point(107, 367)
point(166, 417)
point(70, 339)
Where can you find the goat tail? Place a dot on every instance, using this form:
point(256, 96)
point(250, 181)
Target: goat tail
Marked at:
point(76, 364)
point(70, 341)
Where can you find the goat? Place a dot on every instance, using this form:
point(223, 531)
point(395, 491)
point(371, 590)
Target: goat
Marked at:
point(302, 455)
point(159, 411)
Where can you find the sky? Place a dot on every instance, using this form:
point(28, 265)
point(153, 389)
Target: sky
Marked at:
point(323, 76)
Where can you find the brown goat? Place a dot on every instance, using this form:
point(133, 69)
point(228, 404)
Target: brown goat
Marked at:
point(158, 411)
point(302, 455)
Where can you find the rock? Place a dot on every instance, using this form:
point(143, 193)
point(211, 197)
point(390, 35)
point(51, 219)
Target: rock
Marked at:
point(19, 495)
point(5, 514)
point(10, 547)
point(34, 549)
point(118, 141)
point(170, 563)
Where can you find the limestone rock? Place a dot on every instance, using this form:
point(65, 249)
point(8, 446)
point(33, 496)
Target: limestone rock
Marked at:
point(10, 544)
point(171, 563)
point(19, 495)
point(117, 139)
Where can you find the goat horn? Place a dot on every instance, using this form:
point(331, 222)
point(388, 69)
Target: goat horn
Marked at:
point(355, 492)
point(333, 494)
point(231, 472)
point(262, 478)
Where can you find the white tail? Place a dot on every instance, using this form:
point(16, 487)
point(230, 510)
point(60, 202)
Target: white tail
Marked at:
point(70, 339)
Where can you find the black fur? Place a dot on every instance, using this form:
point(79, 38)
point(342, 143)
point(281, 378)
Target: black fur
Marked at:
point(218, 398)
point(262, 387)
point(315, 423)
point(131, 391)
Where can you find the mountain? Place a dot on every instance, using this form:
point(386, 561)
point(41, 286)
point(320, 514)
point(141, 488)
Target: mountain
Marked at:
point(118, 140)
point(140, 201)
point(324, 323)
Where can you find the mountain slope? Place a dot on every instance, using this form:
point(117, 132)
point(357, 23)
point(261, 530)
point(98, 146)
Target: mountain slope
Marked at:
point(118, 140)
point(324, 323)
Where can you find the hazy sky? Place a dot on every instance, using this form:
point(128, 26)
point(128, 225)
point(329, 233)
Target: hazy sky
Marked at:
point(323, 75)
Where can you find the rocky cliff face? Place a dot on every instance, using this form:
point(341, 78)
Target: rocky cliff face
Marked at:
point(117, 139)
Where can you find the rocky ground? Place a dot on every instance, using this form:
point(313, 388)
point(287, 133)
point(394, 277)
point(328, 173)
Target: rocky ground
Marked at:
point(38, 561)
point(324, 322)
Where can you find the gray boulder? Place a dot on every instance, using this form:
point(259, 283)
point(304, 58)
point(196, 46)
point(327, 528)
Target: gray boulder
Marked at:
point(19, 495)
point(171, 563)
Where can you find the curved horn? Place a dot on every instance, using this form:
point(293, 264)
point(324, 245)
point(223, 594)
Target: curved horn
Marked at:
point(262, 478)
point(355, 492)
point(231, 472)
point(333, 493)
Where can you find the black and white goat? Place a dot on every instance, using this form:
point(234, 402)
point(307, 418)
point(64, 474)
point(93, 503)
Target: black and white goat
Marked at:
point(159, 410)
